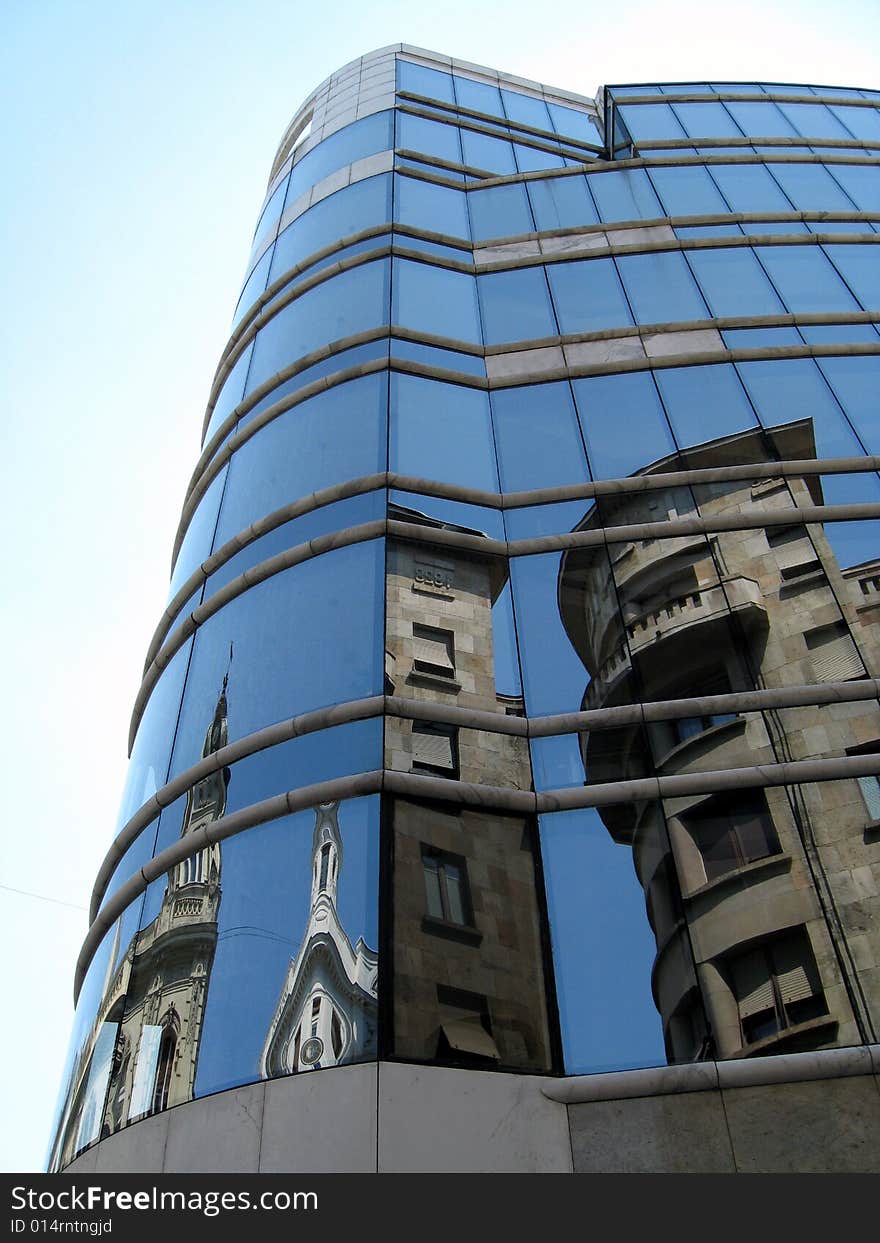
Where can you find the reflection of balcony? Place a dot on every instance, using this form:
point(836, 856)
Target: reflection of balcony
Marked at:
point(696, 615)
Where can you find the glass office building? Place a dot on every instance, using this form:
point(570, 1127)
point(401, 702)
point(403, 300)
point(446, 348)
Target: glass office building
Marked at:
point(509, 748)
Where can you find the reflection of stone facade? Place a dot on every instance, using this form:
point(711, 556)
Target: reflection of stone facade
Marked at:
point(771, 892)
point(144, 1050)
point(327, 1011)
point(468, 974)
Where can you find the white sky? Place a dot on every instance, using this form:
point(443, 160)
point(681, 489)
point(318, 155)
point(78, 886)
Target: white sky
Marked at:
point(137, 141)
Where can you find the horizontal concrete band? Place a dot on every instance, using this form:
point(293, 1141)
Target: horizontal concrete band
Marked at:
point(481, 545)
point(499, 799)
point(665, 160)
point(542, 365)
point(710, 1076)
point(494, 500)
point(617, 332)
point(753, 97)
point(247, 330)
point(688, 144)
point(482, 252)
point(535, 139)
point(497, 127)
point(620, 716)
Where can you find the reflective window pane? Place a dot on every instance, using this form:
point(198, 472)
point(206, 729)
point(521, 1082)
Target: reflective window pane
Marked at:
point(539, 441)
point(435, 300)
point(588, 295)
point(749, 188)
point(561, 203)
point(625, 195)
point(479, 96)
point(623, 423)
point(420, 80)
point(490, 155)
point(337, 655)
point(359, 206)
point(687, 191)
point(500, 211)
point(607, 1011)
point(345, 304)
point(704, 402)
point(860, 268)
point(442, 432)
point(811, 187)
point(516, 306)
point(434, 208)
point(660, 288)
point(526, 109)
point(734, 283)
point(428, 137)
point(353, 142)
point(337, 435)
point(805, 280)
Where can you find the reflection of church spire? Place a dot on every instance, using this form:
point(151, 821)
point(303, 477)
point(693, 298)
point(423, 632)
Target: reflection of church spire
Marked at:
point(326, 1013)
point(206, 801)
point(143, 1054)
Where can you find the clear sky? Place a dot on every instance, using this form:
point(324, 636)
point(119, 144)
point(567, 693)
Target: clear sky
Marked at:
point(137, 140)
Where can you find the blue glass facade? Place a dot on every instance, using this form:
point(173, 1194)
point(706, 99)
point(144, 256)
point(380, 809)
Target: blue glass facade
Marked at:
point(505, 713)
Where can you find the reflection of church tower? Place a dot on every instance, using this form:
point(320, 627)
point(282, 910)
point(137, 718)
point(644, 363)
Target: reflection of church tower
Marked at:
point(469, 983)
point(144, 1048)
point(158, 1047)
point(326, 1013)
point(751, 893)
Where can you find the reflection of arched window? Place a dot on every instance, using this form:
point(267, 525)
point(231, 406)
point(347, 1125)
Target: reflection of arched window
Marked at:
point(163, 1068)
point(336, 1035)
point(325, 863)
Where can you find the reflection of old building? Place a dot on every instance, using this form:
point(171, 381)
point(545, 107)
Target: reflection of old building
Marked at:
point(145, 1045)
point(326, 1014)
point(762, 889)
point(468, 975)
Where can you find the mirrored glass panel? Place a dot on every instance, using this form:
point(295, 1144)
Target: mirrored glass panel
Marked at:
point(337, 655)
point(469, 975)
point(441, 432)
point(87, 1102)
point(436, 209)
point(362, 205)
point(347, 303)
point(588, 295)
point(538, 437)
point(623, 422)
point(343, 429)
point(516, 306)
point(613, 1014)
point(561, 203)
point(435, 300)
point(353, 142)
point(246, 927)
point(660, 288)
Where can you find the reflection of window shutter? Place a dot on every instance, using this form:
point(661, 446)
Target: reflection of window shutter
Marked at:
point(834, 655)
point(754, 989)
point(433, 749)
point(790, 958)
point(469, 1036)
point(433, 651)
point(794, 985)
point(870, 788)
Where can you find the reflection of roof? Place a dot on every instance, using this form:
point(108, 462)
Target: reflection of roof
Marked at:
point(793, 441)
point(402, 513)
point(497, 563)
